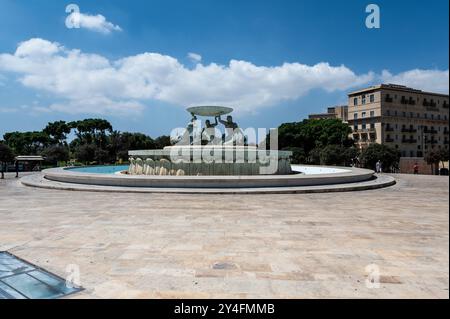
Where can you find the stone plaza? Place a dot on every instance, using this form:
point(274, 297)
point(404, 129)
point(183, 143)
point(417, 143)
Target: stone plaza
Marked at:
point(131, 245)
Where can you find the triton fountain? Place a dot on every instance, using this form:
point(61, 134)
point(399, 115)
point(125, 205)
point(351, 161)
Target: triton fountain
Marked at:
point(205, 159)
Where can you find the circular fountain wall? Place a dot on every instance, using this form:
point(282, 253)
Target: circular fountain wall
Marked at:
point(302, 176)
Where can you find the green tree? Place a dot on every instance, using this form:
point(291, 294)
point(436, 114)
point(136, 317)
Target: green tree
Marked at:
point(433, 158)
point(332, 155)
point(57, 131)
point(92, 131)
point(309, 137)
point(121, 143)
point(86, 153)
point(6, 156)
point(56, 153)
point(102, 156)
point(388, 156)
point(27, 143)
point(162, 141)
point(443, 156)
point(351, 156)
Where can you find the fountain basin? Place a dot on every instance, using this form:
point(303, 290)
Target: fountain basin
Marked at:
point(304, 176)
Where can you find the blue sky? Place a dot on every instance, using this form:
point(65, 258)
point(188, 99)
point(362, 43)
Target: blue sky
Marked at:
point(277, 47)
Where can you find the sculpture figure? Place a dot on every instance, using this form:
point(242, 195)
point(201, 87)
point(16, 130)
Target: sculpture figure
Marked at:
point(209, 131)
point(149, 167)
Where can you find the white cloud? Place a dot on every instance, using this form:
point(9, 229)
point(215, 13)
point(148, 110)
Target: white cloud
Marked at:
point(91, 83)
point(95, 105)
point(195, 57)
point(427, 80)
point(37, 48)
point(8, 110)
point(97, 23)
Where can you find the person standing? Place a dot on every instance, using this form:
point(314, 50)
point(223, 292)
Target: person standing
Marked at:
point(16, 167)
point(416, 169)
point(378, 167)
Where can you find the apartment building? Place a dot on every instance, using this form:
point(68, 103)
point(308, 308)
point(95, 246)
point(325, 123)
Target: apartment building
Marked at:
point(410, 120)
point(334, 112)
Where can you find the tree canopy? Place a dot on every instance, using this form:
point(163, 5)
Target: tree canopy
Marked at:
point(95, 141)
point(306, 139)
point(6, 155)
point(388, 156)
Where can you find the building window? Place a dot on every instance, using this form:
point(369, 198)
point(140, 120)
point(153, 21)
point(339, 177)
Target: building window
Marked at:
point(363, 126)
point(418, 115)
point(425, 115)
point(395, 113)
point(432, 116)
point(372, 125)
point(372, 113)
point(388, 113)
point(355, 116)
point(411, 153)
point(372, 98)
point(363, 99)
point(404, 114)
point(411, 114)
point(363, 114)
point(355, 101)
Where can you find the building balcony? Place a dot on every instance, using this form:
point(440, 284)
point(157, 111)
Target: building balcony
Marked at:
point(389, 140)
point(409, 140)
point(432, 142)
point(409, 130)
point(389, 99)
point(367, 130)
point(445, 105)
point(411, 102)
point(389, 129)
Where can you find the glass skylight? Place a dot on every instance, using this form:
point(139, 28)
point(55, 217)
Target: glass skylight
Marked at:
point(22, 280)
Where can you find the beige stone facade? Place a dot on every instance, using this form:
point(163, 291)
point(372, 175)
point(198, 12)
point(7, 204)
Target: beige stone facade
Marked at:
point(410, 120)
point(334, 112)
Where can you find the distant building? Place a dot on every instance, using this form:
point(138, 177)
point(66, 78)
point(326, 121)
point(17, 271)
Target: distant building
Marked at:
point(334, 112)
point(410, 120)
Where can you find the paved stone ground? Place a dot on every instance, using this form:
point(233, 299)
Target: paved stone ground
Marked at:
point(228, 246)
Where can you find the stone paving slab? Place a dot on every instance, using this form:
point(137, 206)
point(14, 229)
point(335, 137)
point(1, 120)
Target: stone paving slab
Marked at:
point(145, 245)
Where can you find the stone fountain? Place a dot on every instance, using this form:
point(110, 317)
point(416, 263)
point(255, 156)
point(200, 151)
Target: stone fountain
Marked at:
point(209, 151)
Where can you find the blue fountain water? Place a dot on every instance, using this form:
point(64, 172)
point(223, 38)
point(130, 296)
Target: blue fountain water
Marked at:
point(110, 169)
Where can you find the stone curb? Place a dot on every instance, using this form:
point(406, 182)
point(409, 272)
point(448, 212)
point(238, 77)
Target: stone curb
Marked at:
point(380, 181)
